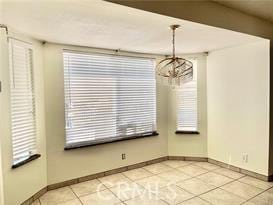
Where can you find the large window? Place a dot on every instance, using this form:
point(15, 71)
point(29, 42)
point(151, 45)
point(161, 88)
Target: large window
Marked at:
point(187, 120)
point(23, 121)
point(108, 98)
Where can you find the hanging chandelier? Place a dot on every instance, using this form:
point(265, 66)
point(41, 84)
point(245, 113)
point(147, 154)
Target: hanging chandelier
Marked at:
point(174, 70)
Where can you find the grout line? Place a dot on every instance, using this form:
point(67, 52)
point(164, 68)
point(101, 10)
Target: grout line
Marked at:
point(131, 181)
point(164, 201)
point(171, 169)
point(246, 200)
point(124, 201)
point(175, 183)
point(109, 189)
point(216, 187)
point(253, 185)
point(205, 200)
point(195, 196)
point(153, 174)
point(148, 170)
point(256, 195)
point(75, 194)
point(93, 192)
point(234, 180)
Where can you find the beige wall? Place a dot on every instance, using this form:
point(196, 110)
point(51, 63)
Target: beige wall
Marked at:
point(64, 165)
point(214, 14)
point(2, 64)
point(190, 144)
point(238, 105)
point(22, 182)
point(2, 35)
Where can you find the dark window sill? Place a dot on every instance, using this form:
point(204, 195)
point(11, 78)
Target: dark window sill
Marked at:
point(31, 158)
point(89, 144)
point(187, 132)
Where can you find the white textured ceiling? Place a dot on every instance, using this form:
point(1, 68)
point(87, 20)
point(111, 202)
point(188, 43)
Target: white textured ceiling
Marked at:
point(259, 8)
point(101, 24)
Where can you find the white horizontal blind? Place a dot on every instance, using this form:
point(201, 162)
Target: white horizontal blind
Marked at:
point(187, 104)
point(23, 125)
point(108, 97)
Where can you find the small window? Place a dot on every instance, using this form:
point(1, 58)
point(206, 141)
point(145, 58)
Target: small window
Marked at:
point(23, 120)
point(108, 98)
point(187, 105)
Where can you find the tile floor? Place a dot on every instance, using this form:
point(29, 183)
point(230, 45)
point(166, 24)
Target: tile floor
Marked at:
point(167, 183)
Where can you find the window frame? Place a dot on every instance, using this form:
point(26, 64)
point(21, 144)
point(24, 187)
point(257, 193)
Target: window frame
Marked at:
point(195, 131)
point(117, 138)
point(11, 43)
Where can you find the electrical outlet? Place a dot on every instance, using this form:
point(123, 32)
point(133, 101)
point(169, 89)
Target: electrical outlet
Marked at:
point(123, 156)
point(245, 158)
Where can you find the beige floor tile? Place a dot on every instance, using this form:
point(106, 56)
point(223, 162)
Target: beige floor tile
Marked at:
point(176, 163)
point(36, 202)
point(192, 170)
point(243, 190)
point(100, 198)
point(157, 168)
point(222, 197)
point(195, 201)
point(265, 198)
point(71, 202)
point(256, 182)
point(174, 176)
point(195, 186)
point(248, 203)
point(207, 165)
point(270, 190)
point(114, 180)
point(128, 191)
point(191, 162)
point(174, 195)
point(57, 196)
point(229, 173)
point(145, 199)
point(136, 174)
point(87, 187)
point(153, 182)
point(214, 179)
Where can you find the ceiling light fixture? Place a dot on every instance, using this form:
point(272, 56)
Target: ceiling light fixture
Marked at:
point(174, 70)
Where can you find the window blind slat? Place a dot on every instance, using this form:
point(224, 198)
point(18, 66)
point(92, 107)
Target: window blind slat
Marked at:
point(23, 125)
point(187, 104)
point(108, 97)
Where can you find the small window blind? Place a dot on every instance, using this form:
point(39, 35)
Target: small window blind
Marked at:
point(187, 104)
point(23, 125)
point(108, 98)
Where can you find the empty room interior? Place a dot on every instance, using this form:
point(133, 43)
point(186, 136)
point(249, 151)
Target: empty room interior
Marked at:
point(126, 102)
